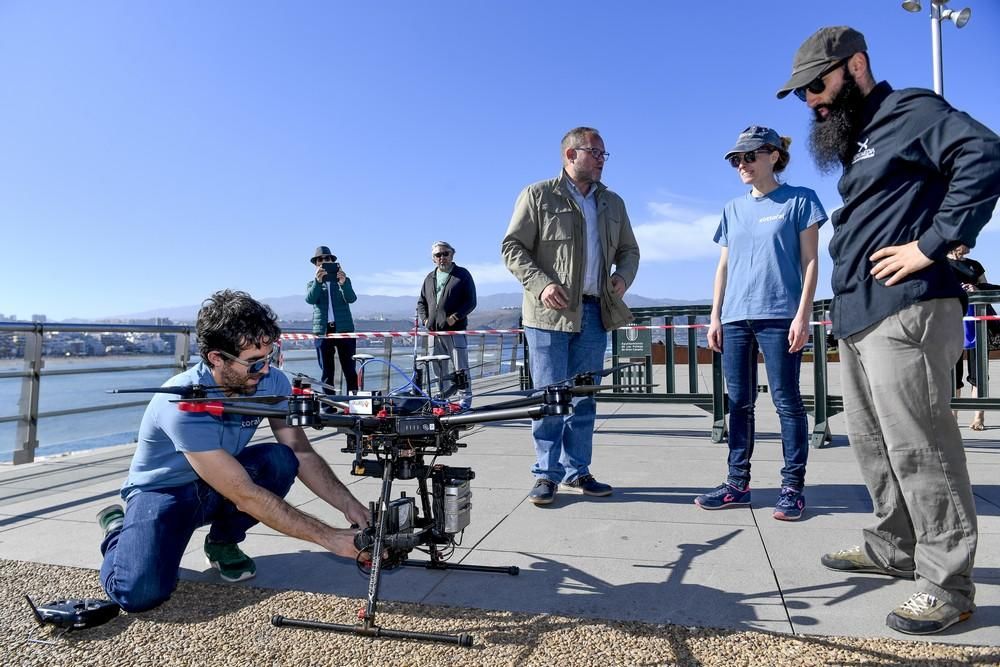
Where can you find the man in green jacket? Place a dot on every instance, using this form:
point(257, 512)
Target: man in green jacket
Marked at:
point(330, 294)
point(563, 239)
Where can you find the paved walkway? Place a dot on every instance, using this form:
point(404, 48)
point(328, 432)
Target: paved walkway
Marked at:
point(646, 553)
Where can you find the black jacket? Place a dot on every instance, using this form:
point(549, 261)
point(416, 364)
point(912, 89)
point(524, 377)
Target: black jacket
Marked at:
point(457, 298)
point(923, 172)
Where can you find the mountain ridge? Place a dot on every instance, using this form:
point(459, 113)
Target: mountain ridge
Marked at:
point(377, 307)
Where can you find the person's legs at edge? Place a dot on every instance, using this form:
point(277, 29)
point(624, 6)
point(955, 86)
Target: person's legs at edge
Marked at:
point(979, 417)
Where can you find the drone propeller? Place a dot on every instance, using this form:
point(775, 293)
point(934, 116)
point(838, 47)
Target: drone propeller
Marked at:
point(196, 391)
point(534, 396)
point(264, 400)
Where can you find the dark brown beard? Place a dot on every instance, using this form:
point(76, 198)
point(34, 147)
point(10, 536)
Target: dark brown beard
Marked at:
point(832, 141)
point(235, 384)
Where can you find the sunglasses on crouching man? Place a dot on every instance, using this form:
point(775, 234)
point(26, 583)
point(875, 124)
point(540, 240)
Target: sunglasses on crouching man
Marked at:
point(255, 366)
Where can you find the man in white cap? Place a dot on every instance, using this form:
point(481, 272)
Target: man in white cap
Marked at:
point(447, 297)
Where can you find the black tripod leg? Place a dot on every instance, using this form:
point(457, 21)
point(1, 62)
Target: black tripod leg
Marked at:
point(374, 631)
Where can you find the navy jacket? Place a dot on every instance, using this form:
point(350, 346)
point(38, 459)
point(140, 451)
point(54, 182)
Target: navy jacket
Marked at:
point(923, 172)
point(457, 298)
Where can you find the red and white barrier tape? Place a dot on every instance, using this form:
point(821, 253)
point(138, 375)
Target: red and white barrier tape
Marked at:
point(482, 332)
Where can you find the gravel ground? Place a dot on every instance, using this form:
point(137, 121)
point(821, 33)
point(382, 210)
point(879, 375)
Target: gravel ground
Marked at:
point(207, 624)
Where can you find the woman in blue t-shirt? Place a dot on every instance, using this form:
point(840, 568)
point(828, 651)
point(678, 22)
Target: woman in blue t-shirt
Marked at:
point(761, 302)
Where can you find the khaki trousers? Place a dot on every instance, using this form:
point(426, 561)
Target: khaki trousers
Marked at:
point(897, 388)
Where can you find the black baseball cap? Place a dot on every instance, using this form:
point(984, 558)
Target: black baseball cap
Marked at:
point(823, 48)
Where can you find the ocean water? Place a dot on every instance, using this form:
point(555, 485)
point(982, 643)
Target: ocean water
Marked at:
point(91, 430)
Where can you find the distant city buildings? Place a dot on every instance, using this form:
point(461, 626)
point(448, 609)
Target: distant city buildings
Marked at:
point(86, 344)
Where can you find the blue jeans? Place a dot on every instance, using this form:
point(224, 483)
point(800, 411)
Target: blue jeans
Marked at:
point(141, 560)
point(741, 342)
point(563, 444)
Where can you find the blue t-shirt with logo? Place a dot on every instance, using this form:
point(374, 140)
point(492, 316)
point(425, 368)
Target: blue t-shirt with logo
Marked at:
point(166, 432)
point(764, 271)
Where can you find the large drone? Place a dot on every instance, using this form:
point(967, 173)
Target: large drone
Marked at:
point(391, 436)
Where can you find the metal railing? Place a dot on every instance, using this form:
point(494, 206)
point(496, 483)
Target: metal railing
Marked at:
point(821, 404)
point(33, 370)
point(28, 415)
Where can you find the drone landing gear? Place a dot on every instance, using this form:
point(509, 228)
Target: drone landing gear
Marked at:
point(369, 629)
point(432, 564)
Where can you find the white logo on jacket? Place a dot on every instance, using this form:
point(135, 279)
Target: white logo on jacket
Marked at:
point(863, 151)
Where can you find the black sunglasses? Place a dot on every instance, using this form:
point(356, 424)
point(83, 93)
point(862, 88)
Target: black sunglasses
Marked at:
point(748, 158)
point(817, 85)
point(446, 253)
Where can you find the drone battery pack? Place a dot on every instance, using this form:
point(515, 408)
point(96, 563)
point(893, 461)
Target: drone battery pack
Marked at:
point(457, 505)
point(414, 426)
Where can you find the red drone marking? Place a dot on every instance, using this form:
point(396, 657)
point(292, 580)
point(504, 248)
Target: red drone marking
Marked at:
point(212, 408)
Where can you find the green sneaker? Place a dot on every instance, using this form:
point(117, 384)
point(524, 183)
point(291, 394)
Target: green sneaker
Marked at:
point(924, 614)
point(855, 560)
point(233, 565)
point(111, 518)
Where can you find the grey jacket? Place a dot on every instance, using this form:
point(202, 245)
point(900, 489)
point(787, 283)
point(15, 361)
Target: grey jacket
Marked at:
point(545, 243)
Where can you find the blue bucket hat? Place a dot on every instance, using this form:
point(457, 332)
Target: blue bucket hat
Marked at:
point(753, 138)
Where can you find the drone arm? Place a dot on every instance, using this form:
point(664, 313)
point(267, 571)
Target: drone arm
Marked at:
point(532, 412)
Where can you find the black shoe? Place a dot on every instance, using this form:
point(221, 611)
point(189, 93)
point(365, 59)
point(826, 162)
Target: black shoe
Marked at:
point(587, 485)
point(543, 493)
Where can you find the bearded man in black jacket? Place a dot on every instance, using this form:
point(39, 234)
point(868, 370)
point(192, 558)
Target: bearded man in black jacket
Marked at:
point(446, 299)
point(919, 179)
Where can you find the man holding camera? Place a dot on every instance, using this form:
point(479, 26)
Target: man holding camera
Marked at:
point(330, 294)
point(193, 468)
point(446, 299)
point(563, 238)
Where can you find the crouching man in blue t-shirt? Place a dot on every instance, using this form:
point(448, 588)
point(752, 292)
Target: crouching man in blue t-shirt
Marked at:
point(195, 469)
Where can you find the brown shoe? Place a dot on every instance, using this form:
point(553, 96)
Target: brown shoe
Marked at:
point(855, 560)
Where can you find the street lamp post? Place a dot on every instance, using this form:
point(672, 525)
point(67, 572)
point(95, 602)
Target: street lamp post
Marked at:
point(939, 13)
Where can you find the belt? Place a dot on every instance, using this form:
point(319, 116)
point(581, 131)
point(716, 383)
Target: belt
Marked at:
point(591, 298)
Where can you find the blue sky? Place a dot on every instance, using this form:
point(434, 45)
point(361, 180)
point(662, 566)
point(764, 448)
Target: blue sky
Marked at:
point(152, 152)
